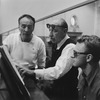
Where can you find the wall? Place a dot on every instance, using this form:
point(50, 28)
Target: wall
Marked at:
point(10, 10)
point(97, 19)
point(86, 20)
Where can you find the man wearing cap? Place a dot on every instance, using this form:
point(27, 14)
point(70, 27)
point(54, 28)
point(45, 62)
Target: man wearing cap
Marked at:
point(60, 69)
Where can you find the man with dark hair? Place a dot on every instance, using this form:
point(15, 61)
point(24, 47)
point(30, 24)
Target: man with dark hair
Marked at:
point(26, 49)
point(28, 16)
point(60, 70)
point(87, 56)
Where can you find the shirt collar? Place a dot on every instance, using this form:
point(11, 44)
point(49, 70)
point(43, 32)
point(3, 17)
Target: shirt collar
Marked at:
point(62, 42)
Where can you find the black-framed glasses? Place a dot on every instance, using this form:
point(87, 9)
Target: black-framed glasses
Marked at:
point(53, 26)
point(75, 53)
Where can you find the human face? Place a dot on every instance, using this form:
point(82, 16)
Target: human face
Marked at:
point(80, 55)
point(26, 27)
point(57, 33)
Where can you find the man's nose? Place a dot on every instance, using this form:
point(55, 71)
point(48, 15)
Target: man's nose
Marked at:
point(26, 28)
point(51, 34)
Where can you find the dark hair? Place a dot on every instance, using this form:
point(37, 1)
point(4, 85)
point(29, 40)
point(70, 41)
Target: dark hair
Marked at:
point(93, 45)
point(27, 16)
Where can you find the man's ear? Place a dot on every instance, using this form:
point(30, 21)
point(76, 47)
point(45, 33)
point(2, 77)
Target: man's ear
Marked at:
point(65, 29)
point(89, 57)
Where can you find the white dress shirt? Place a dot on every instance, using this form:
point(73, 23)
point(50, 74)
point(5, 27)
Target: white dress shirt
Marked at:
point(62, 66)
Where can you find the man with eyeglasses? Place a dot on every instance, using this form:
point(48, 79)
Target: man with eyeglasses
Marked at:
point(60, 69)
point(87, 56)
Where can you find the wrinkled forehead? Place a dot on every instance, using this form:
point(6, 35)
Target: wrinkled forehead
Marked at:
point(26, 20)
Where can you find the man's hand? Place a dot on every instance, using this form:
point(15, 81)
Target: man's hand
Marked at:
point(24, 71)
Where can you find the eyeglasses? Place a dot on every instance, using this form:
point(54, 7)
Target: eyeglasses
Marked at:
point(78, 53)
point(53, 26)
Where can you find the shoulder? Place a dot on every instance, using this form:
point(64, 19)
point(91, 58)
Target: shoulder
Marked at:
point(70, 43)
point(12, 35)
point(96, 82)
point(70, 46)
point(11, 38)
